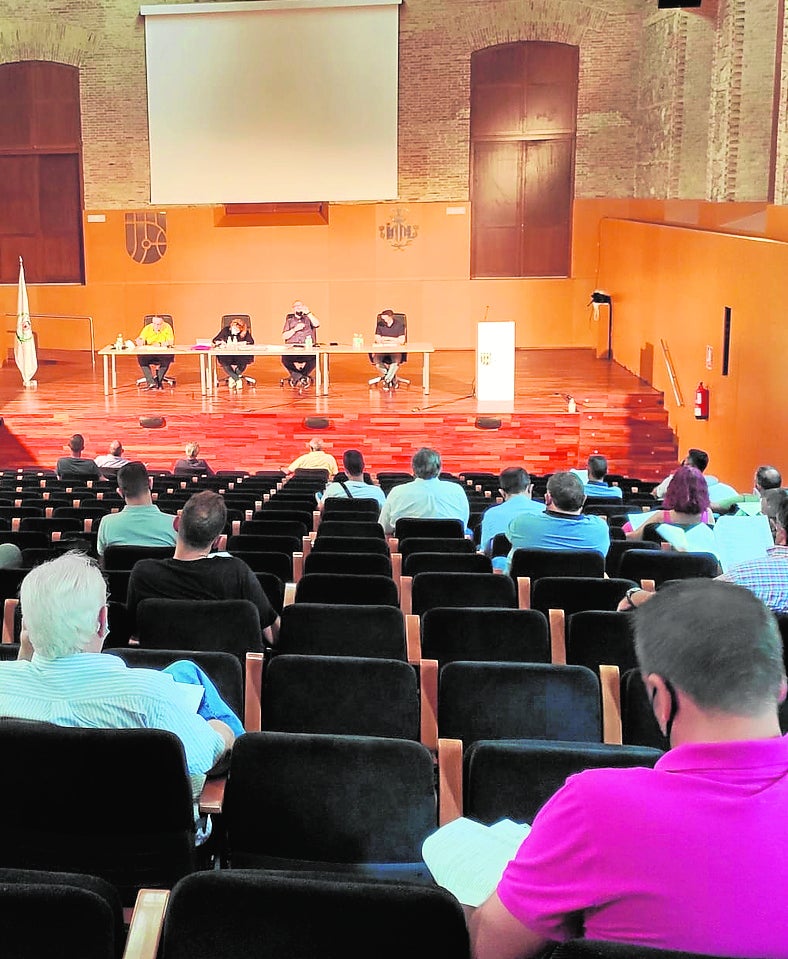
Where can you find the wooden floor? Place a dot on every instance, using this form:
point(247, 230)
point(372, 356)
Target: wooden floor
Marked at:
point(617, 415)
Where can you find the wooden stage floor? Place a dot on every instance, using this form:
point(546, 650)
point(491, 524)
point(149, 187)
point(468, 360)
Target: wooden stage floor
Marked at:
point(263, 427)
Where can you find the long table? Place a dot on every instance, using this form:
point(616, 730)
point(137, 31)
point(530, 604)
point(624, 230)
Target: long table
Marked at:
point(323, 353)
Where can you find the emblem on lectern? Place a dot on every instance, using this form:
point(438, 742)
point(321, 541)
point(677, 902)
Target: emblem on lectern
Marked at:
point(398, 231)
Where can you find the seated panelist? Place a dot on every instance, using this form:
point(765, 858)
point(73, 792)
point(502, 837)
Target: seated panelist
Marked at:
point(299, 330)
point(390, 331)
point(234, 366)
point(156, 333)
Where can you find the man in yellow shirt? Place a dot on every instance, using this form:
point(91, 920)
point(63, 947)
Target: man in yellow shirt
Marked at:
point(157, 332)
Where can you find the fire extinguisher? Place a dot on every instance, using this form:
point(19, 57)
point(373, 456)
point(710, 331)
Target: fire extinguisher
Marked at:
point(701, 402)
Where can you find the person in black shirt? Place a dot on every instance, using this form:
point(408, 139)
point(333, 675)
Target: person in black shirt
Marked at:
point(390, 331)
point(234, 366)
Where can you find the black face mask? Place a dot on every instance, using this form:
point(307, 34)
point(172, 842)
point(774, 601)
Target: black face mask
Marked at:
point(674, 706)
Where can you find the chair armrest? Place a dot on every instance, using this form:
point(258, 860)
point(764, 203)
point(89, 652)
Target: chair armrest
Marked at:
point(610, 684)
point(212, 796)
point(428, 676)
point(253, 692)
point(147, 922)
point(316, 517)
point(306, 546)
point(9, 614)
point(405, 594)
point(413, 638)
point(524, 592)
point(396, 568)
point(557, 619)
point(298, 566)
point(393, 544)
point(649, 585)
point(290, 591)
point(221, 543)
point(236, 527)
point(449, 780)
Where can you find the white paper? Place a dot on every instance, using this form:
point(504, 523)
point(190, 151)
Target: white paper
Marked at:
point(740, 539)
point(468, 858)
point(581, 474)
point(636, 520)
point(189, 695)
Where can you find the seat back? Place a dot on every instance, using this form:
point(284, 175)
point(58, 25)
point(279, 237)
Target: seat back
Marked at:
point(340, 803)
point(536, 563)
point(596, 637)
point(228, 625)
point(434, 544)
point(485, 635)
point(280, 564)
point(462, 589)
point(638, 724)
point(262, 913)
point(268, 543)
point(370, 529)
point(124, 557)
point(514, 779)
point(407, 527)
point(325, 543)
point(518, 701)
point(276, 525)
point(61, 914)
point(446, 563)
point(350, 563)
point(340, 630)
point(575, 593)
point(337, 505)
point(617, 550)
point(228, 318)
point(347, 588)
point(119, 834)
point(341, 695)
point(661, 565)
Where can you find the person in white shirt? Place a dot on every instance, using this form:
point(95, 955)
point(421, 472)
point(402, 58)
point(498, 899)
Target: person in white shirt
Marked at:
point(354, 486)
point(114, 459)
point(427, 497)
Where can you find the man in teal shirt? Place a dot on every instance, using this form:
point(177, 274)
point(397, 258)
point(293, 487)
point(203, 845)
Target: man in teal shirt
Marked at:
point(139, 523)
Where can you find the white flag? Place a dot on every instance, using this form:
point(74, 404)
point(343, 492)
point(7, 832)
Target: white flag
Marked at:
point(24, 345)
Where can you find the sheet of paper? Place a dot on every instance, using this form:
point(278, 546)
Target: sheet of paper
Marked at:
point(468, 858)
point(189, 695)
point(583, 474)
point(749, 508)
point(636, 520)
point(740, 539)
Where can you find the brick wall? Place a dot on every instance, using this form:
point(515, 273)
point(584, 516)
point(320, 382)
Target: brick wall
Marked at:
point(670, 103)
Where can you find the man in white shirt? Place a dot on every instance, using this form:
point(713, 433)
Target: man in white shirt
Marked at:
point(140, 522)
point(62, 677)
point(354, 486)
point(114, 459)
point(427, 497)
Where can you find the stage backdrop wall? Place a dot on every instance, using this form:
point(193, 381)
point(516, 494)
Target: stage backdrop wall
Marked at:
point(673, 284)
point(410, 257)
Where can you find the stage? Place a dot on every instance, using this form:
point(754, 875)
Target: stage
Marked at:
point(263, 427)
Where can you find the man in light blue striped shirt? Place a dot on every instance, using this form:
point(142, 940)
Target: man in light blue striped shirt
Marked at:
point(62, 677)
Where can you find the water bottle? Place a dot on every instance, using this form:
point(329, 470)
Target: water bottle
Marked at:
point(358, 341)
point(119, 341)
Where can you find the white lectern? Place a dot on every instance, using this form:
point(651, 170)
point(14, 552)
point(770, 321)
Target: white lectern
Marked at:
point(495, 364)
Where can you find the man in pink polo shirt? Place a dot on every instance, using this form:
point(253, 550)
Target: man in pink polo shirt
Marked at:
point(693, 854)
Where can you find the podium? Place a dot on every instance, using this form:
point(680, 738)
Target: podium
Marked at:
point(495, 365)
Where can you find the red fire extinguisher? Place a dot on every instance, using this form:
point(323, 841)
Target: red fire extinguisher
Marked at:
point(701, 402)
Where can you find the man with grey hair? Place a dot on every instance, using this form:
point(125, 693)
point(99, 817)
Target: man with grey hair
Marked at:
point(562, 524)
point(427, 496)
point(62, 677)
point(315, 459)
point(691, 855)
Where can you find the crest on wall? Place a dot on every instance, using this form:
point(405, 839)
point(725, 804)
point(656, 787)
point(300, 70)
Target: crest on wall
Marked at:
point(397, 231)
point(146, 236)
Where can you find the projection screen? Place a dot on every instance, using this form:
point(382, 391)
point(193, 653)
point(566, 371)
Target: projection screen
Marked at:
point(272, 101)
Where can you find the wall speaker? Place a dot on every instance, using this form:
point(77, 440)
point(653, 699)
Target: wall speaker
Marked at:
point(488, 423)
point(153, 422)
point(672, 4)
point(316, 423)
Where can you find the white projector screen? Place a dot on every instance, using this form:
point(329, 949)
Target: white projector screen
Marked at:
point(272, 101)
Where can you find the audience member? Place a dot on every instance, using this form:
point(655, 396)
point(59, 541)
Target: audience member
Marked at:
point(76, 465)
point(516, 488)
point(596, 485)
point(62, 677)
point(140, 522)
point(766, 478)
point(766, 577)
point(562, 523)
point(354, 486)
point(315, 459)
point(196, 573)
point(114, 459)
point(686, 503)
point(695, 457)
point(192, 465)
point(427, 496)
point(10, 556)
point(671, 857)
